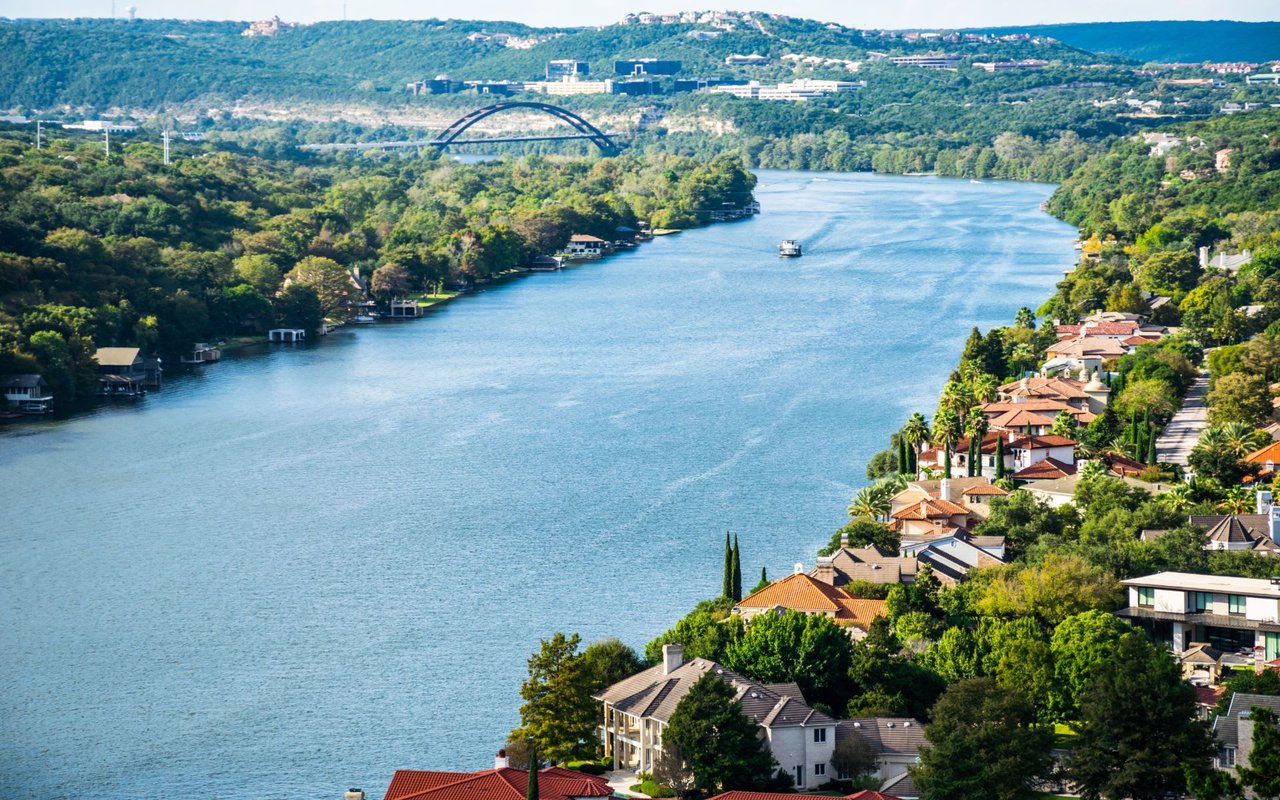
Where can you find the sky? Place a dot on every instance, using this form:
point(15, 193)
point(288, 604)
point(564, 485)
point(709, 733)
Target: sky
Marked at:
point(856, 13)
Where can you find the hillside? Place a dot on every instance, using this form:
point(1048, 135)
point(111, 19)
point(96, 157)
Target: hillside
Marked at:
point(1191, 41)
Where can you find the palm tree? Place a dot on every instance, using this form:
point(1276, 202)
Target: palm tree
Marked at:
point(1179, 498)
point(1239, 500)
point(916, 430)
point(956, 398)
point(1242, 439)
point(947, 428)
point(985, 387)
point(874, 499)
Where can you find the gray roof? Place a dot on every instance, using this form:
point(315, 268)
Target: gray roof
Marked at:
point(24, 381)
point(1254, 523)
point(653, 695)
point(901, 786)
point(1225, 728)
point(1230, 530)
point(871, 564)
point(901, 735)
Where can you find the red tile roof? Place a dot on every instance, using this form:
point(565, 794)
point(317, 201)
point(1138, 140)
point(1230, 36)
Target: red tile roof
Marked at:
point(1044, 470)
point(554, 783)
point(868, 794)
point(985, 489)
point(739, 795)
point(1041, 442)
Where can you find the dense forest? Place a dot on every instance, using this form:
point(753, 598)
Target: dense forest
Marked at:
point(126, 251)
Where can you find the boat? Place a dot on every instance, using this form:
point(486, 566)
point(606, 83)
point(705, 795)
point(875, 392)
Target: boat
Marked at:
point(364, 319)
point(790, 248)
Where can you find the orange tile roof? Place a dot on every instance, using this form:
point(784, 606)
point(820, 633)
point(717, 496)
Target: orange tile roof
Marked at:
point(1041, 442)
point(740, 795)
point(1269, 453)
point(1046, 469)
point(985, 489)
point(493, 784)
point(801, 592)
point(869, 794)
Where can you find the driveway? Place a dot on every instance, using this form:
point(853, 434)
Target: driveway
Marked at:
point(1174, 443)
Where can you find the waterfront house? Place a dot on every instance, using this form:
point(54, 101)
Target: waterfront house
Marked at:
point(971, 493)
point(1024, 452)
point(27, 393)
point(1061, 491)
point(812, 595)
point(121, 371)
point(1085, 353)
point(895, 741)
point(500, 783)
point(202, 353)
point(583, 246)
point(868, 564)
point(1086, 394)
point(545, 264)
point(1233, 731)
point(1235, 615)
point(637, 710)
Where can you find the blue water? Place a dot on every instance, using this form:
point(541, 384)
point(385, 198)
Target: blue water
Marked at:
point(304, 568)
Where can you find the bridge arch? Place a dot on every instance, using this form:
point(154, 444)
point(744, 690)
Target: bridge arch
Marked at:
point(588, 131)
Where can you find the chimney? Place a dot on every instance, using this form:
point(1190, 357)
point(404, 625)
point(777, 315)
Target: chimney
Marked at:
point(826, 571)
point(844, 540)
point(1204, 257)
point(799, 568)
point(500, 761)
point(1262, 501)
point(672, 657)
point(944, 489)
point(353, 794)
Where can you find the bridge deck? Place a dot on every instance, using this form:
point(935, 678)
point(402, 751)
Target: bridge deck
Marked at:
point(454, 143)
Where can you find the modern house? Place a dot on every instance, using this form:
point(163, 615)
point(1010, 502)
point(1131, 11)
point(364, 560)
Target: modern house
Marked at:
point(1235, 615)
point(28, 393)
point(1233, 731)
point(812, 595)
point(637, 710)
point(500, 783)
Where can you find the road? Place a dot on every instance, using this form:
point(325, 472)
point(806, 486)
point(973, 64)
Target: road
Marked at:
point(1179, 436)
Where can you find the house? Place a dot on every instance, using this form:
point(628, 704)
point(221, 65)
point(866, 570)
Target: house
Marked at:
point(870, 564)
point(952, 557)
point(500, 783)
point(582, 245)
point(1233, 731)
point(1231, 262)
point(1060, 491)
point(1201, 664)
point(637, 710)
point(895, 741)
point(902, 787)
point(1231, 614)
point(27, 392)
point(287, 335)
point(1086, 394)
point(1039, 457)
point(121, 371)
point(812, 595)
point(1087, 352)
point(1265, 458)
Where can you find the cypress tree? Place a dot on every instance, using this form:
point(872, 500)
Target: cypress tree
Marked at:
point(531, 793)
point(977, 461)
point(904, 460)
point(999, 457)
point(737, 570)
point(726, 583)
point(1151, 450)
point(946, 468)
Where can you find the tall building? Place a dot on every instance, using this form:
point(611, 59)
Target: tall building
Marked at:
point(646, 66)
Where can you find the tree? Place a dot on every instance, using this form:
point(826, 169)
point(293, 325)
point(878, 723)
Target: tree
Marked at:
point(1138, 727)
point(736, 574)
point(1060, 586)
point(882, 464)
point(1239, 397)
point(984, 743)
point(1149, 396)
point(862, 532)
point(531, 792)
point(332, 283)
point(260, 272)
point(1263, 773)
point(726, 580)
point(558, 715)
point(764, 581)
point(298, 306)
point(809, 649)
point(706, 632)
point(389, 281)
point(1080, 645)
point(1169, 272)
point(721, 747)
point(853, 756)
point(609, 661)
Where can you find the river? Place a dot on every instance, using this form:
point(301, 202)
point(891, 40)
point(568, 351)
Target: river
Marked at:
point(304, 568)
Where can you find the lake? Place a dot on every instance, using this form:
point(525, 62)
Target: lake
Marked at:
point(303, 568)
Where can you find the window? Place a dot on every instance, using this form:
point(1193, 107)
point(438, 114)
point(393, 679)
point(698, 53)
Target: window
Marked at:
point(1199, 602)
point(1146, 596)
point(819, 770)
point(819, 735)
point(1271, 645)
point(1227, 757)
point(1235, 605)
point(800, 775)
point(841, 775)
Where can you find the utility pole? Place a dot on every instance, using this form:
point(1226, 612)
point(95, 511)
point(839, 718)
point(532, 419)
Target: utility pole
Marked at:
point(166, 147)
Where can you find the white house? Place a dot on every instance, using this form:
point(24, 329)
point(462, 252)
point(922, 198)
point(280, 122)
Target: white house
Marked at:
point(637, 710)
point(1235, 615)
point(582, 245)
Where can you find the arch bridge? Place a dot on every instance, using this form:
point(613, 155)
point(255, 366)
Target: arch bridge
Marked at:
point(450, 136)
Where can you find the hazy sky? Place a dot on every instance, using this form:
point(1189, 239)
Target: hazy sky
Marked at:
point(858, 13)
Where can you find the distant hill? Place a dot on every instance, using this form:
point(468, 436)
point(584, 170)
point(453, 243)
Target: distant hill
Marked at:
point(1217, 40)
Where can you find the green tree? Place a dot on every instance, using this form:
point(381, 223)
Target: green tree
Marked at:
point(727, 578)
point(531, 791)
point(298, 306)
point(809, 649)
point(1263, 773)
point(332, 283)
point(706, 632)
point(1169, 272)
point(853, 756)
point(984, 743)
point(1239, 397)
point(1138, 727)
point(558, 715)
point(736, 574)
point(260, 272)
point(1080, 645)
point(608, 661)
point(721, 747)
point(1058, 587)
